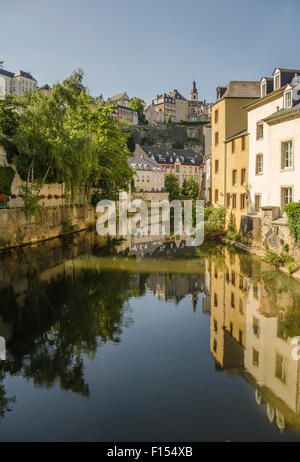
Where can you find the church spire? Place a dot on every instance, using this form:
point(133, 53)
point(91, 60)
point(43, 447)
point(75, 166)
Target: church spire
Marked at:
point(194, 92)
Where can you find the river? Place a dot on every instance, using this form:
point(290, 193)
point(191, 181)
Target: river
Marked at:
point(146, 340)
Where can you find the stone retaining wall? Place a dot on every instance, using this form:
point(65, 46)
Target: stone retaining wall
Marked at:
point(16, 229)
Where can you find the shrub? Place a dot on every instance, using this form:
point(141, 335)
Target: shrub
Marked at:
point(279, 260)
point(293, 212)
point(214, 221)
point(7, 175)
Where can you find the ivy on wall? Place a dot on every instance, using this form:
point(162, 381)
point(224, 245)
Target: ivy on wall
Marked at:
point(293, 212)
point(7, 175)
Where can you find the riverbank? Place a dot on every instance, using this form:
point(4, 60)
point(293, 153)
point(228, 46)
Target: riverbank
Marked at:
point(17, 230)
point(261, 253)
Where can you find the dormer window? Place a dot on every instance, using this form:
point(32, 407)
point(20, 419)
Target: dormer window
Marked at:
point(263, 89)
point(277, 81)
point(288, 99)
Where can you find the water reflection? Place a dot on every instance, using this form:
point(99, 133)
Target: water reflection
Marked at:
point(59, 305)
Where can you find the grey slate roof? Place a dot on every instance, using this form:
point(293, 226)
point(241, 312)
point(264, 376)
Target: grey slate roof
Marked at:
point(170, 155)
point(45, 87)
point(6, 73)
point(283, 112)
point(236, 135)
point(242, 89)
point(175, 94)
point(24, 74)
point(138, 162)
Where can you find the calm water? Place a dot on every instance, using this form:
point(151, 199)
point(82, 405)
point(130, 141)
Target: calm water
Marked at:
point(157, 343)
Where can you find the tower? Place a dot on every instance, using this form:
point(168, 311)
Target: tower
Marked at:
point(194, 92)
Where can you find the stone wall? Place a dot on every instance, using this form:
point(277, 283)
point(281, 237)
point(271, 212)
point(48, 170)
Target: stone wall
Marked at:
point(268, 229)
point(16, 229)
point(276, 233)
point(170, 135)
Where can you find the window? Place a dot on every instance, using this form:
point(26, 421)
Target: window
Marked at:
point(243, 176)
point(255, 357)
point(215, 326)
point(216, 195)
point(243, 143)
point(234, 177)
point(256, 326)
point(241, 306)
point(259, 130)
point(280, 368)
point(243, 201)
point(216, 139)
point(257, 202)
point(240, 337)
point(215, 300)
point(232, 300)
point(233, 146)
point(288, 99)
point(234, 201)
point(287, 196)
point(233, 278)
point(216, 116)
point(287, 155)
point(277, 82)
point(228, 199)
point(216, 166)
point(259, 164)
point(215, 345)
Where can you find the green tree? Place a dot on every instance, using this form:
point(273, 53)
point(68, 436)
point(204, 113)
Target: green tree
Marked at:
point(110, 170)
point(168, 119)
point(172, 186)
point(137, 105)
point(9, 117)
point(190, 188)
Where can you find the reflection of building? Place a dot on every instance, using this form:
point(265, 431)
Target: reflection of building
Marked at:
point(176, 286)
point(247, 337)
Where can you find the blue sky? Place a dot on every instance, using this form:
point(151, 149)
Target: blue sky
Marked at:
point(150, 46)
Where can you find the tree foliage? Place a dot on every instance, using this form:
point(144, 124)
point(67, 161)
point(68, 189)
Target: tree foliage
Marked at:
point(293, 212)
point(190, 189)
point(172, 186)
point(137, 105)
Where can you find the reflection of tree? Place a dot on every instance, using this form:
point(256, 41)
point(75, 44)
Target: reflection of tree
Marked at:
point(59, 323)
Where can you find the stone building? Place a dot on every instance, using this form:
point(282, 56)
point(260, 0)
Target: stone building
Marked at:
point(181, 106)
point(197, 110)
point(167, 104)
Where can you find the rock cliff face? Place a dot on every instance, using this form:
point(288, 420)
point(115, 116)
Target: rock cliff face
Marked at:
point(170, 135)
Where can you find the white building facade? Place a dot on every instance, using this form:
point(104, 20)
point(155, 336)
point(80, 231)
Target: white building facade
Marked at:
point(16, 83)
point(274, 143)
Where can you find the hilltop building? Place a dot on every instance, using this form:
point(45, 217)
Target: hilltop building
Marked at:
point(17, 83)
